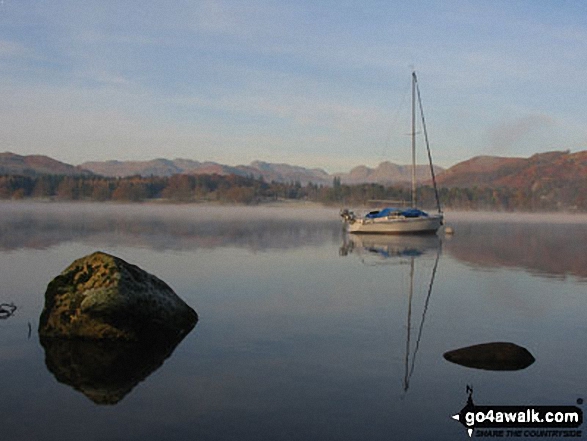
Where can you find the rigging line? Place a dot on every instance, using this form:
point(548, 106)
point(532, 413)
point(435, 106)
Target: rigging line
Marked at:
point(427, 145)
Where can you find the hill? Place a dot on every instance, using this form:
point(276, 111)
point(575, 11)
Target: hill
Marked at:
point(35, 165)
point(551, 180)
point(480, 171)
point(550, 169)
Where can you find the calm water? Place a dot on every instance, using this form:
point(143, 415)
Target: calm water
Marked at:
point(304, 334)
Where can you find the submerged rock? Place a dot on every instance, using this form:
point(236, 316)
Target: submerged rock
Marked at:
point(497, 356)
point(101, 296)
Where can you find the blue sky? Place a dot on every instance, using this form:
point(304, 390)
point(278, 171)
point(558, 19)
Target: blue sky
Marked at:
point(311, 83)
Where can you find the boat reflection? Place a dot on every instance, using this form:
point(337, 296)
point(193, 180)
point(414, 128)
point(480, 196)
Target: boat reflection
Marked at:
point(105, 371)
point(379, 248)
point(401, 250)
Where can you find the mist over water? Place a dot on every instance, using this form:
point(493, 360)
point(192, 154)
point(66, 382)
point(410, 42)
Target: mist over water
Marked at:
point(304, 333)
point(164, 226)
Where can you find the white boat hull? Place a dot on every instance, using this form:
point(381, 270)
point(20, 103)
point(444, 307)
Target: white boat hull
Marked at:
point(396, 225)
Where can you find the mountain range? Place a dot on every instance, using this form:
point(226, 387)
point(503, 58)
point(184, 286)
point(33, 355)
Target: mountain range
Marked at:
point(560, 169)
point(384, 173)
point(387, 173)
point(34, 165)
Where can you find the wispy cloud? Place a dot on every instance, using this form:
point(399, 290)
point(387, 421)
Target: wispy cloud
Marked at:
point(505, 135)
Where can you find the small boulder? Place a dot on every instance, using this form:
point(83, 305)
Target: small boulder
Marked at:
point(101, 296)
point(495, 356)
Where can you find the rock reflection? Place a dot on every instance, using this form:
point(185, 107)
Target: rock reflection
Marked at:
point(105, 371)
point(496, 356)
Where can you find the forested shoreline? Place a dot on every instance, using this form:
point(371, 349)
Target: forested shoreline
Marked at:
point(251, 190)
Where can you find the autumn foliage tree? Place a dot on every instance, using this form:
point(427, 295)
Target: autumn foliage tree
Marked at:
point(545, 195)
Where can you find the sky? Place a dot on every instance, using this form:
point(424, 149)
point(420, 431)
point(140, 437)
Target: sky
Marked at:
point(315, 83)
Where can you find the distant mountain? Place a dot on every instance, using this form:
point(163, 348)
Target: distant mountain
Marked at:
point(559, 169)
point(164, 167)
point(156, 167)
point(288, 173)
point(34, 165)
point(387, 173)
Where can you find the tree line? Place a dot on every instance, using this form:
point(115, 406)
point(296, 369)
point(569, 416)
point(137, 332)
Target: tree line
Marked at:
point(251, 190)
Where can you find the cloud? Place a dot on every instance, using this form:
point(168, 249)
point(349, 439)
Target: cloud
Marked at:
point(506, 135)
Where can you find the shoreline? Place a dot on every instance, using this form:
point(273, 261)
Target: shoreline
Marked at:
point(277, 209)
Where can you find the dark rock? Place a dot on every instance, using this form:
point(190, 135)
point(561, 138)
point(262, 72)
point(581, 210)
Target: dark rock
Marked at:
point(103, 297)
point(497, 356)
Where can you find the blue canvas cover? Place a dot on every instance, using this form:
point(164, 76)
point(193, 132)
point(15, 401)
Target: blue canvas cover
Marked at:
point(414, 212)
point(382, 213)
point(408, 212)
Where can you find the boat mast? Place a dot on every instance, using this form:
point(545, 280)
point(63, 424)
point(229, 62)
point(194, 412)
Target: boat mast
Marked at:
point(414, 139)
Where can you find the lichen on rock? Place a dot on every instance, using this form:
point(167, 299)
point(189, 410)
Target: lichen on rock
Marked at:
point(101, 296)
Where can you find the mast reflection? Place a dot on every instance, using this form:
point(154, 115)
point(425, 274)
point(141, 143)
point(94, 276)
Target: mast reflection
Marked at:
point(400, 250)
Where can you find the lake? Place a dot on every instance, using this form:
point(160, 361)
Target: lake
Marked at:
point(305, 333)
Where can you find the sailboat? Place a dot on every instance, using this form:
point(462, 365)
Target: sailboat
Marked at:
point(401, 220)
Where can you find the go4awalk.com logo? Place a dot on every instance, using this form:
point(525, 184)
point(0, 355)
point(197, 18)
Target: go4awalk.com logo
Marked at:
point(520, 421)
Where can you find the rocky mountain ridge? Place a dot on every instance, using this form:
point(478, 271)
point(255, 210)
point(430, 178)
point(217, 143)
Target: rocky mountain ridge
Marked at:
point(386, 173)
point(542, 171)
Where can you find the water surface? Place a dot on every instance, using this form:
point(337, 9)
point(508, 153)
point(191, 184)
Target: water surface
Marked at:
point(304, 333)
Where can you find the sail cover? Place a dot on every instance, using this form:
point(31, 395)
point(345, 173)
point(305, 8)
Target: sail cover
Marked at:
point(409, 212)
point(414, 212)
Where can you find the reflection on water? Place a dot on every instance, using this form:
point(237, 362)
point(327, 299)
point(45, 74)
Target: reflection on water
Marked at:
point(106, 371)
point(379, 247)
point(543, 248)
point(162, 228)
point(399, 250)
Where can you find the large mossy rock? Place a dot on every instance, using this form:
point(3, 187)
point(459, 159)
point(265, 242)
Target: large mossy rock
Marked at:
point(103, 297)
